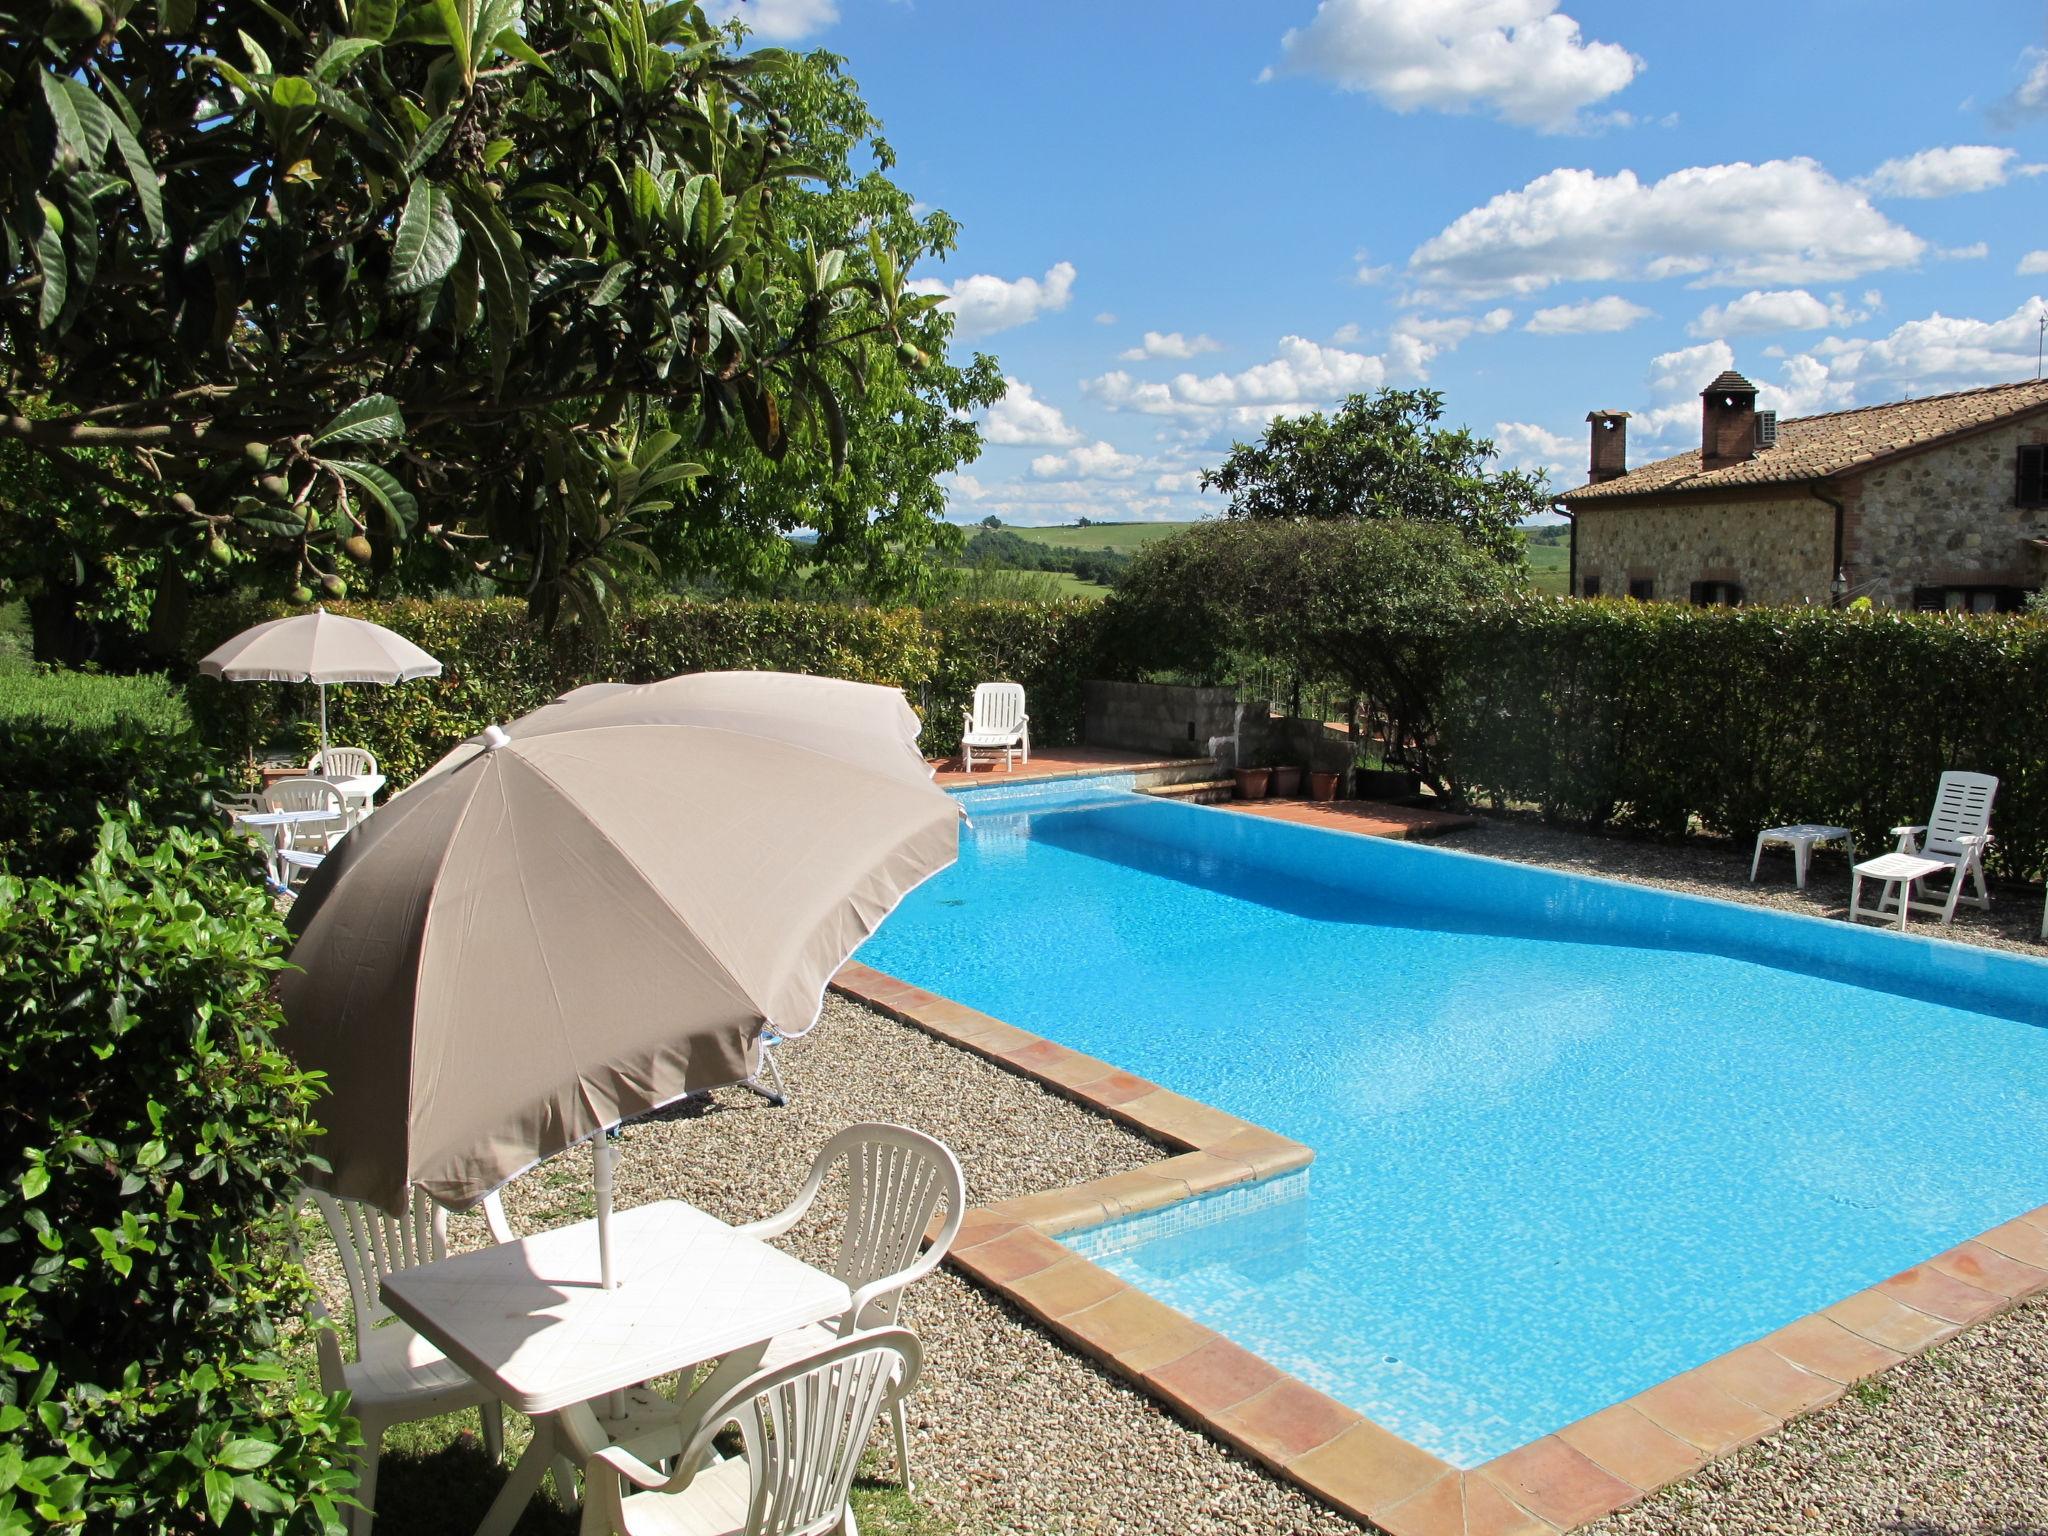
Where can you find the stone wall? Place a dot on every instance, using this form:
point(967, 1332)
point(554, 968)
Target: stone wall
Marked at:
point(1945, 518)
point(1779, 551)
point(1156, 717)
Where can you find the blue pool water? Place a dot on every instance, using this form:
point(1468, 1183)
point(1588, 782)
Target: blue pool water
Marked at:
point(1572, 1137)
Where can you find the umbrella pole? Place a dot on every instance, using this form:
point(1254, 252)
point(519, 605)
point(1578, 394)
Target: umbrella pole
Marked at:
point(602, 1160)
point(323, 727)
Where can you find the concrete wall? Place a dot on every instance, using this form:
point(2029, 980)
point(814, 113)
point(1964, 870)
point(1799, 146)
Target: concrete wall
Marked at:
point(1945, 518)
point(1155, 717)
point(1780, 551)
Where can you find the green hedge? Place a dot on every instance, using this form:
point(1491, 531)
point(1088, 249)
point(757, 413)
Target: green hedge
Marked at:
point(497, 664)
point(71, 742)
point(1655, 717)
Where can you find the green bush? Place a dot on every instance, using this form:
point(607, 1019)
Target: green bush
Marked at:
point(71, 742)
point(1656, 716)
point(498, 664)
point(154, 1136)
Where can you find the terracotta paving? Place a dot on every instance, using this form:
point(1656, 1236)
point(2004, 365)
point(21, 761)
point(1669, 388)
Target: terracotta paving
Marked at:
point(1060, 763)
point(1373, 818)
point(1603, 1463)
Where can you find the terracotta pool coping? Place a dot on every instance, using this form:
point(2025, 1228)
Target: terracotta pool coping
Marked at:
point(1604, 1462)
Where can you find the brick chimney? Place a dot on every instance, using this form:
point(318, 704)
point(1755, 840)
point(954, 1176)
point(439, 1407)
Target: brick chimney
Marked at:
point(1727, 422)
point(1610, 445)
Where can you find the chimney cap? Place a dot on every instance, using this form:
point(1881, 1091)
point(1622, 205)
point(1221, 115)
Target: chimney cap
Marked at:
point(1730, 383)
point(1607, 415)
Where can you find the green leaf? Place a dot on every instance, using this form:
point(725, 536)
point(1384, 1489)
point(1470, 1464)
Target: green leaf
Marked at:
point(142, 177)
point(220, 1495)
point(611, 285)
point(83, 122)
point(47, 237)
point(222, 232)
point(34, 1180)
point(177, 16)
point(374, 18)
point(400, 510)
point(372, 419)
point(340, 56)
point(293, 93)
point(246, 1455)
point(428, 239)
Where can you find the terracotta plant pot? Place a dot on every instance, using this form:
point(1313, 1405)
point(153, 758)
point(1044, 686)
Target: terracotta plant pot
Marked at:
point(1251, 783)
point(1286, 782)
point(1323, 786)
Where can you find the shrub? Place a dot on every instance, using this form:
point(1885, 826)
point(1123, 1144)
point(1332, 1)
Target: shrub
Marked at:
point(497, 664)
point(1655, 716)
point(73, 741)
point(154, 1136)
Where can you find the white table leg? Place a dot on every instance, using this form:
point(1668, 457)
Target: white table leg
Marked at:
point(524, 1482)
point(1802, 851)
point(1756, 858)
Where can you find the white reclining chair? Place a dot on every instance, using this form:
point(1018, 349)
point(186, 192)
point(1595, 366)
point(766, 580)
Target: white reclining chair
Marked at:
point(996, 723)
point(1956, 833)
point(896, 1181)
point(804, 1425)
point(396, 1376)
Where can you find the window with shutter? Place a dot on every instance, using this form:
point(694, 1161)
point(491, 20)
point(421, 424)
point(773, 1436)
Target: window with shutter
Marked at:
point(2033, 476)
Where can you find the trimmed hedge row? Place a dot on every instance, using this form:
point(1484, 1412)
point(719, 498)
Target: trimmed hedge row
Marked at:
point(1655, 716)
point(497, 664)
point(73, 742)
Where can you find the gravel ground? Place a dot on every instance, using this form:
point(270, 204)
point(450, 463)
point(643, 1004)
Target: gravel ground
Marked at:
point(1013, 1433)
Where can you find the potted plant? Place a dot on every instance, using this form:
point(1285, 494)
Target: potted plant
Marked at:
point(1286, 780)
point(1252, 782)
point(1322, 785)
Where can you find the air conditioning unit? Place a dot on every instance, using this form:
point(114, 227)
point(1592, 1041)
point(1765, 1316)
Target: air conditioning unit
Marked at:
point(1767, 429)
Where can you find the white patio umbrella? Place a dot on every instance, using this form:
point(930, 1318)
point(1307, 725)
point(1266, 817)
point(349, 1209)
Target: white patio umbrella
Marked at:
point(318, 647)
point(585, 916)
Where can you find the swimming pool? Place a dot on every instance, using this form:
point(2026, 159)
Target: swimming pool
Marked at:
point(1572, 1137)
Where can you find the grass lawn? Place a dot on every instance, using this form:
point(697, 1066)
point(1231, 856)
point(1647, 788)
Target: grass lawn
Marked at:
point(1071, 585)
point(1550, 556)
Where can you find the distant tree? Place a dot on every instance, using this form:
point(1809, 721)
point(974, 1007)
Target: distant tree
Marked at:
point(1084, 523)
point(453, 286)
point(991, 521)
point(1381, 456)
point(1370, 606)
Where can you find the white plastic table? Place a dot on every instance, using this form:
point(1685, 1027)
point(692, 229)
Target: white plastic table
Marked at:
point(359, 792)
point(530, 1320)
point(265, 825)
point(1898, 871)
point(1801, 837)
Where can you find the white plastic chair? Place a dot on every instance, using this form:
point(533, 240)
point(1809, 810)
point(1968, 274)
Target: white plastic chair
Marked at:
point(396, 1375)
point(342, 763)
point(804, 1424)
point(996, 723)
point(896, 1180)
point(1956, 833)
point(310, 794)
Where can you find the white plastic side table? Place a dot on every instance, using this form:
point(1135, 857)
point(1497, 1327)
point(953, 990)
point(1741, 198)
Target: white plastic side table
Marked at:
point(1800, 838)
point(1898, 871)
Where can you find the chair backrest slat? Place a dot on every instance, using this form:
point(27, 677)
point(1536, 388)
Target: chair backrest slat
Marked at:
point(342, 762)
point(373, 1244)
point(896, 1181)
point(998, 706)
point(1962, 808)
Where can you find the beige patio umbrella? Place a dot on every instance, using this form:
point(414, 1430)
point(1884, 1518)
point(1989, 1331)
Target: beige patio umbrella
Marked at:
point(583, 917)
point(318, 647)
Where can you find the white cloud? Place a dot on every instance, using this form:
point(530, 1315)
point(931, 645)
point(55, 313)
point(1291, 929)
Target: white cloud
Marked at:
point(1524, 445)
point(963, 486)
point(1105, 318)
point(1092, 461)
point(1946, 172)
point(1521, 59)
point(1761, 311)
point(1781, 221)
point(1170, 344)
point(1590, 316)
point(1941, 352)
point(1179, 481)
point(777, 21)
point(1416, 341)
point(987, 304)
point(1976, 252)
point(1021, 419)
point(2030, 97)
point(2033, 264)
point(1299, 371)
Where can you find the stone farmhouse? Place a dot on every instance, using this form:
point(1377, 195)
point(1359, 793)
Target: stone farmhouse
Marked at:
point(1934, 503)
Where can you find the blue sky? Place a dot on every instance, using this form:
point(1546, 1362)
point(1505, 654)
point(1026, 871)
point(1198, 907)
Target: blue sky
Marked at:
point(1179, 219)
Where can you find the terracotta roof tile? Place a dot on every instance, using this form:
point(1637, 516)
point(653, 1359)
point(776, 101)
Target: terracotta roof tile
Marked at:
point(1818, 447)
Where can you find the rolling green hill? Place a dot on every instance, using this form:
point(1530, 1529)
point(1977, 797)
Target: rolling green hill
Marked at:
point(1125, 536)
